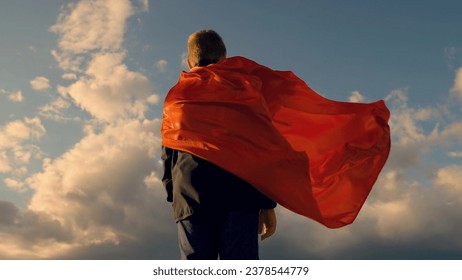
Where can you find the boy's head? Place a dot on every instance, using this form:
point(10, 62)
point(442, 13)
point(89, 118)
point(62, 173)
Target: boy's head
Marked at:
point(205, 45)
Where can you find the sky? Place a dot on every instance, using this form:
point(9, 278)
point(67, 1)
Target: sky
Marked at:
point(81, 90)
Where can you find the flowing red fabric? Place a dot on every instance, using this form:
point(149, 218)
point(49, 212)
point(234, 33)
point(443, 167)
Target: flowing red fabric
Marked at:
point(316, 157)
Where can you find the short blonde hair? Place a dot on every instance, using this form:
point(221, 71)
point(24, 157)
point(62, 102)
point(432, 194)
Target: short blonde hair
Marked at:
point(205, 45)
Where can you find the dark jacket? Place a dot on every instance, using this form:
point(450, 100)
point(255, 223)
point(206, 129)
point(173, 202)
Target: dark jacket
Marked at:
point(195, 185)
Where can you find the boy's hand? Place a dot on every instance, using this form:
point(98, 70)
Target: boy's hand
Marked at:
point(267, 223)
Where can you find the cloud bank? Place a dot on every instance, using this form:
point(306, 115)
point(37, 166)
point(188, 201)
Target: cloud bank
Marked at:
point(103, 193)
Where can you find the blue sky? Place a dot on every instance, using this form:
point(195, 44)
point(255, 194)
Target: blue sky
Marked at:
point(81, 90)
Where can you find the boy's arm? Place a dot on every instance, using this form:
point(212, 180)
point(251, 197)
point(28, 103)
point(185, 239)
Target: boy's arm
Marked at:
point(167, 158)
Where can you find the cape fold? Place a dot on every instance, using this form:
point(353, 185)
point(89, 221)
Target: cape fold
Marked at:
point(316, 157)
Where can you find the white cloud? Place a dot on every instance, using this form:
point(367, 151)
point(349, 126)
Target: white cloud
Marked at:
point(16, 96)
point(68, 62)
point(90, 43)
point(109, 91)
point(184, 60)
point(102, 191)
point(69, 76)
point(14, 184)
point(103, 194)
point(457, 87)
point(413, 212)
point(16, 148)
point(153, 99)
point(144, 5)
point(404, 125)
point(455, 154)
point(452, 133)
point(40, 83)
point(4, 162)
point(356, 97)
point(424, 114)
point(12, 132)
point(56, 111)
point(449, 177)
point(161, 65)
point(89, 25)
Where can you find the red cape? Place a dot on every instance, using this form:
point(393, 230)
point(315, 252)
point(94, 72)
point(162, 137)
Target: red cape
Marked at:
point(316, 157)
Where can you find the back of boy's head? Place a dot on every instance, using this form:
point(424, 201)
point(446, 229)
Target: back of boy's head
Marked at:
point(205, 45)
